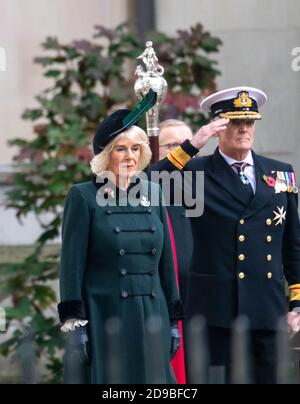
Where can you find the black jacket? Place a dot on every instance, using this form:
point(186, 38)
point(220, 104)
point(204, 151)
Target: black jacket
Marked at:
point(241, 258)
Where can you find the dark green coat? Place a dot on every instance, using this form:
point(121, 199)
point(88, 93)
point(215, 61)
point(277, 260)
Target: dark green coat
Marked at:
point(117, 272)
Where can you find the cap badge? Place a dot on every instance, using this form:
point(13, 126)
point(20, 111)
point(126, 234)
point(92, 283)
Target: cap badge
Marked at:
point(243, 100)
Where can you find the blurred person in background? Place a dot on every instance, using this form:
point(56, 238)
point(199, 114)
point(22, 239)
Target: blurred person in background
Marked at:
point(172, 133)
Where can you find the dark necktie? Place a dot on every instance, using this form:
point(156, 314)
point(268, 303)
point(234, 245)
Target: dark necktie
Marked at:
point(241, 173)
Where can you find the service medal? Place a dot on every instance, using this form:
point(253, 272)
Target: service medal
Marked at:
point(281, 180)
point(293, 183)
point(277, 188)
point(283, 187)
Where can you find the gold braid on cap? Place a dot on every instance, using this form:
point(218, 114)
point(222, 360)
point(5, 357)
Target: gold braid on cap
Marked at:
point(240, 115)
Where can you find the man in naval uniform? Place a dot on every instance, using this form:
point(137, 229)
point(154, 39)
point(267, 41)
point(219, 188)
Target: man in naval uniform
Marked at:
point(247, 241)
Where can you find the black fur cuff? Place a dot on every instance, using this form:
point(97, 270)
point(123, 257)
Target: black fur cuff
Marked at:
point(71, 309)
point(176, 311)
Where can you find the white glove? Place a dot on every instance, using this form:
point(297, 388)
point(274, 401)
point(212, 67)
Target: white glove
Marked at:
point(71, 324)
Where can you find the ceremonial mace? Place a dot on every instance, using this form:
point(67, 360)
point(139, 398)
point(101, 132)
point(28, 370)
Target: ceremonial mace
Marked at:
point(150, 76)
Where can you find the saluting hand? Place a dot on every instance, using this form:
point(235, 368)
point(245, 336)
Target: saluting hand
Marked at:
point(207, 131)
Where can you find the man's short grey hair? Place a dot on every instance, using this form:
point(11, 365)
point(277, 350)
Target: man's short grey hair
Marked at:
point(172, 122)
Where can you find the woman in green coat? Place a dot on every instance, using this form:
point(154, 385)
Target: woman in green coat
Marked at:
point(119, 296)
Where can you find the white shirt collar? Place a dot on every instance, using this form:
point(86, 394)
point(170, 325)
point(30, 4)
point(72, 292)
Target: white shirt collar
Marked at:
point(230, 161)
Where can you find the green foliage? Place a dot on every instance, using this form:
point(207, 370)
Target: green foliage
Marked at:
point(88, 79)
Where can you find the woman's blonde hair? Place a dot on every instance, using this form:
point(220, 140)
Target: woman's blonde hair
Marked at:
point(100, 162)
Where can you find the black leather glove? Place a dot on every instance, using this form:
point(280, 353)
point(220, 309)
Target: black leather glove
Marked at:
point(175, 339)
point(77, 357)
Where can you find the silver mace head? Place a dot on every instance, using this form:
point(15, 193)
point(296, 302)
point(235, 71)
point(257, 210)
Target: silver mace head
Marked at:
point(150, 75)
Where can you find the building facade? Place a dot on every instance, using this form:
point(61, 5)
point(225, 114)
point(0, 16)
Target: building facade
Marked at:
point(260, 41)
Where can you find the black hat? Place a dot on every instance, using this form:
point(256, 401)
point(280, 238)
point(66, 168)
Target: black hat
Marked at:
point(235, 103)
point(121, 120)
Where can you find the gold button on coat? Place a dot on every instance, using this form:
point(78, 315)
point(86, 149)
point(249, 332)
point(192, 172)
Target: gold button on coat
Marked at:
point(242, 221)
point(269, 275)
point(269, 222)
point(242, 238)
point(241, 275)
point(269, 239)
point(269, 257)
point(242, 257)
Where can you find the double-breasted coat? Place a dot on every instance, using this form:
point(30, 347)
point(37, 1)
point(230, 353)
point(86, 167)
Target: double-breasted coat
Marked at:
point(242, 254)
point(117, 272)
